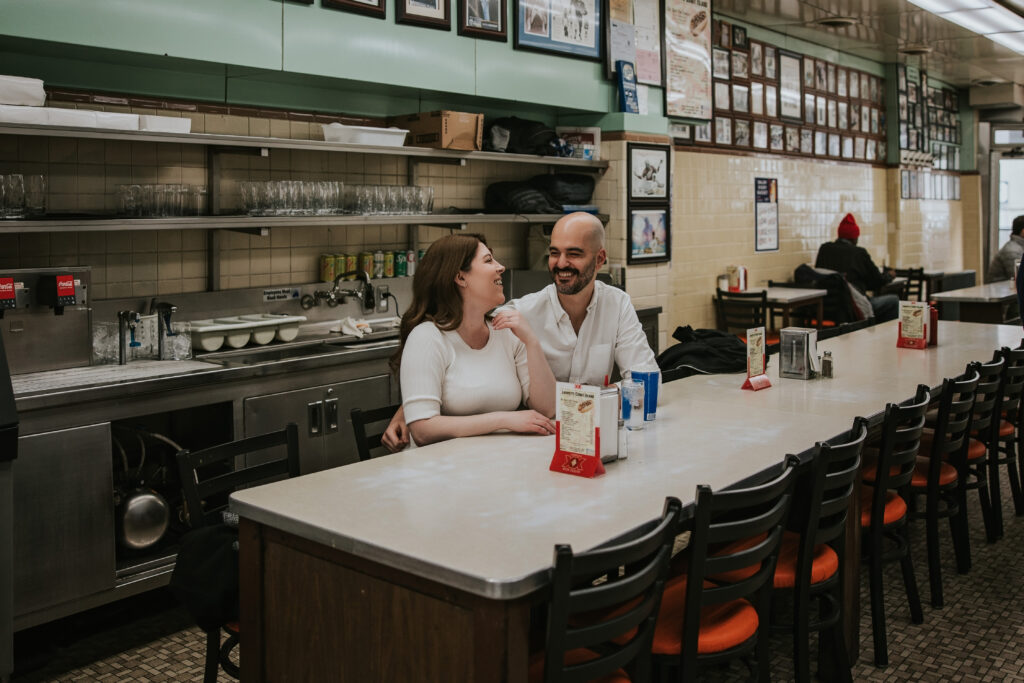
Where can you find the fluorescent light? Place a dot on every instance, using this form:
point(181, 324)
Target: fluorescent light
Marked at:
point(940, 6)
point(1014, 41)
point(985, 21)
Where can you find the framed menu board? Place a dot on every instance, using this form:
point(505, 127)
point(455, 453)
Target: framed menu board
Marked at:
point(688, 58)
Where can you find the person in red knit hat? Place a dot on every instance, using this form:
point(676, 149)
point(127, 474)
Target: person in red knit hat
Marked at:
point(855, 263)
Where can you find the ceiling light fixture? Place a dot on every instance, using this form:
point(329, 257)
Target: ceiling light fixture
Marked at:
point(835, 22)
point(984, 17)
point(915, 50)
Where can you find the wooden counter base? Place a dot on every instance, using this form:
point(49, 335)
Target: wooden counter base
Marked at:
point(333, 616)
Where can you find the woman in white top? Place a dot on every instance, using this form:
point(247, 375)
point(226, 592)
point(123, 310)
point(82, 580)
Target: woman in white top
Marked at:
point(461, 373)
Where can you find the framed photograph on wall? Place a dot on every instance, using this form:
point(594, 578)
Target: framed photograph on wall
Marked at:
point(649, 235)
point(426, 13)
point(483, 19)
point(649, 172)
point(720, 63)
point(790, 99)
point(372, 8)
point(572, 28)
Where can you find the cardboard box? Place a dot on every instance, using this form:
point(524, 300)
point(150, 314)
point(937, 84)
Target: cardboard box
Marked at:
point(443, 129)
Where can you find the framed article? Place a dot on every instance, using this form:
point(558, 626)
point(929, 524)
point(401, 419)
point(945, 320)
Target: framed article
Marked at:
point(372, 8)
point(789, 86)
point(426, 13)
point(483, 19)
point(572, 28)
point(649, 172)
point(649, 235)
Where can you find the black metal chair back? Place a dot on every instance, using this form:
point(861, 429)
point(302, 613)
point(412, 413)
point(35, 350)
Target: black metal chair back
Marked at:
point(209, 475)
point(741, 311)
point(898, 447)
point(914, 290)
point(588, 584)
point(368, 444)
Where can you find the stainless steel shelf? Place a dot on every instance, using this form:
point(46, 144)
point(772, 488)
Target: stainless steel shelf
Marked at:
point(242, 141)
point(256, 222)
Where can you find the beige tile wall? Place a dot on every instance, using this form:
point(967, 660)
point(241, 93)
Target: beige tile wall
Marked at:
point(713, 227)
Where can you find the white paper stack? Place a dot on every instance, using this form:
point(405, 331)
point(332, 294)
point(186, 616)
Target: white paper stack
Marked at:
point(22, 91)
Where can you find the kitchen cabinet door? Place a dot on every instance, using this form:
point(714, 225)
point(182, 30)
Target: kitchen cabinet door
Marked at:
point(272, 412)
point(340, 445)
point(63, 517)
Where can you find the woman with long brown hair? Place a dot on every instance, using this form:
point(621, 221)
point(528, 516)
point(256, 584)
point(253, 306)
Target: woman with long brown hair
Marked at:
point(463, 373)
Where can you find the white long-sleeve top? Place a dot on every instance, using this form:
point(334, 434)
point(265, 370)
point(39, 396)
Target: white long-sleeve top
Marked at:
point(442, 375)
point(611, 333)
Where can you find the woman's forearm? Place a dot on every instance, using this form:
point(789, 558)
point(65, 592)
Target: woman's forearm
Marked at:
point(442, 427)
point(542, 381)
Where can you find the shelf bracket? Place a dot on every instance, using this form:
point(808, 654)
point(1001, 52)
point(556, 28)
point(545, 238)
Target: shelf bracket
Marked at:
point(598, 170)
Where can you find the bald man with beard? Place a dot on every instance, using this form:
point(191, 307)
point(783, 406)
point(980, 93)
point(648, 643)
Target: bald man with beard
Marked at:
point(585, 327)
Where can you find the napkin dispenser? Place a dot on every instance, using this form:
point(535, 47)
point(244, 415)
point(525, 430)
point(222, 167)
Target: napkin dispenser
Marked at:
point(611, 425)
point(798, 353)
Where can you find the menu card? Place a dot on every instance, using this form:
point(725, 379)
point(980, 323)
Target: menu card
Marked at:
point(756, 361)
point(913, 326)
point(577, 430)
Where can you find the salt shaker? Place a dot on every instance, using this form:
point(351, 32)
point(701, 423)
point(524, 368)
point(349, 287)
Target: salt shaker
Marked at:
point(826, 365)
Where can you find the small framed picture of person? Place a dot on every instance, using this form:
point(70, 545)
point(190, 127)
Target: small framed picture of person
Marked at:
point(649, 235)
point(483, 19)
point(372, 8)
point(720, 63)
point(648, 172)
point(770, 63)
point(739, 37)
point(426, 13)
point(756, 59)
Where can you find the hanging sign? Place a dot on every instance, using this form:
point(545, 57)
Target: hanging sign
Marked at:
point(766, 214)
point(688, 59)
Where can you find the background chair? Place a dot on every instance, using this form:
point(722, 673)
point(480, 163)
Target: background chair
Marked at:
point(936, 480)
point(914, 291)
point(715, 611)
point(883, 517)
point(973, 466)
point(810, 558)
point(581, 646)
point(208, 477)
point(738, 312)
point(368, 444)
point(1006, 449)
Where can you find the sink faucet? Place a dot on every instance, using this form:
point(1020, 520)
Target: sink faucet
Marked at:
point(126, 322)
point(366, 291)
point(164, 310)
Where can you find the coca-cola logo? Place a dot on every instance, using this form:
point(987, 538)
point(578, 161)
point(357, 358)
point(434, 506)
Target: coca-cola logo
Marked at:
point(65, 285)
point(6, 288)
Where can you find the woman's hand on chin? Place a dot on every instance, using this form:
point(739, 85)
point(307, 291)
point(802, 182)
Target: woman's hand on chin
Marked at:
point(513, 320)
point(529, 422)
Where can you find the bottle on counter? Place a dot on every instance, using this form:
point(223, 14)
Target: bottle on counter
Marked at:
point(410, 262)
point(933, 319)
point(378, 264)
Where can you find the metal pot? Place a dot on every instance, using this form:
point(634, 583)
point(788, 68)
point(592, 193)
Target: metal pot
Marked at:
point(142, 519)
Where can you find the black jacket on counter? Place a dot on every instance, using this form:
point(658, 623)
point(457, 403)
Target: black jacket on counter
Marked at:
point(852, 261)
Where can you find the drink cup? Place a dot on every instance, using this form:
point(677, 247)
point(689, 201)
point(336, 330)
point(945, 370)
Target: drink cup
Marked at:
point(633, 404)
point(651, 379)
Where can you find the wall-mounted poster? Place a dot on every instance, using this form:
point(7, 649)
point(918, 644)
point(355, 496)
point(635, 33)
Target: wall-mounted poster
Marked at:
point(766, 214)
point(647, 20)
point(483, 19)
point(568, 27)
point(789, 86)
point(687, 58)
point(649, 172)
point(649, 235)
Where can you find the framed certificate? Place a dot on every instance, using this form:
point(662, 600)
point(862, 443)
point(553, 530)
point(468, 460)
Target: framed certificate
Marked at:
point(789, 86)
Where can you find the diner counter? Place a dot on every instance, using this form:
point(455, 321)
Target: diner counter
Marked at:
point(482, 514)
point(993, 291)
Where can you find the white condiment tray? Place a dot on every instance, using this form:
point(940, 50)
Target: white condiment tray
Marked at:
point(239, 330)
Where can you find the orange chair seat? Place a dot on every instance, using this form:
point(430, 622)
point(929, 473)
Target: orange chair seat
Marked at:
point(231, 626)
point(769, 338)
point(721, 626)
point(975, 449)
point(536, 672)
point(1006, 428)
point(824, 565)
point(947, 475)
point(869, 468)
point(824, 323)
point(895, 507)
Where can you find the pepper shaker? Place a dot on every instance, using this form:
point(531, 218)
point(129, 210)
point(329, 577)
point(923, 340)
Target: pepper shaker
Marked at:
point(826, 365)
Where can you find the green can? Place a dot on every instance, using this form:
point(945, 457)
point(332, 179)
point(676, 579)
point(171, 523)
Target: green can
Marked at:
point(327, 268)
point(351, 263)
point(366, 262)
point(339, 264)
point(389, 264)
point(401, 264)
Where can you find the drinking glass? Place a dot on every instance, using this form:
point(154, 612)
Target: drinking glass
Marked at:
point(426, 203)
point(395, 199)
point(650, 376)
point(35, 195)
point(14, 196)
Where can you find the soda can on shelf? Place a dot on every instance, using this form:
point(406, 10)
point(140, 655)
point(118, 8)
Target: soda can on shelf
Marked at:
point(389, 264)
point(366, 262)
point(401, 264)
point(410, 262)
point(351, 263)
point(378, 264)
point(339, 264)
point(326, 267)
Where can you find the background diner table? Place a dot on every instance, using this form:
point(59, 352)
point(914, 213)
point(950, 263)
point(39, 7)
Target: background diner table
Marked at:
point(784, 299)
point(424, 565)
point(995, 302)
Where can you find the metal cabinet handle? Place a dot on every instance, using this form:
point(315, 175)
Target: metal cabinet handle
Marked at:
point(316, 417)
point(331, 415)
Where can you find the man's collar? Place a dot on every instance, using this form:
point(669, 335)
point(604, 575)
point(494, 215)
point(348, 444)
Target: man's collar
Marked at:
point(557, 302)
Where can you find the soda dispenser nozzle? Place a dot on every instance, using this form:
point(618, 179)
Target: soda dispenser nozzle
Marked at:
point(126, 322)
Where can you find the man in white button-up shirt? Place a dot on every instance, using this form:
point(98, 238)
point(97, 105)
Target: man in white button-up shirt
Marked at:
point(584, 326)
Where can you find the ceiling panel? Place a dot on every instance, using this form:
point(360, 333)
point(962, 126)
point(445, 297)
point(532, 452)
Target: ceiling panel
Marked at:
point(883, 27)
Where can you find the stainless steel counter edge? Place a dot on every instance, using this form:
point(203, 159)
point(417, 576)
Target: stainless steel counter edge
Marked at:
point(215, 373)
point(496, 589)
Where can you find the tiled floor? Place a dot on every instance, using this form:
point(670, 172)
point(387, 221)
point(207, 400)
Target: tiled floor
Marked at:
point(978, 636)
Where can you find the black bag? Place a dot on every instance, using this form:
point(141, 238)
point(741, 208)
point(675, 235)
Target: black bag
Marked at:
point(518, 197)
point(205, 577)
point(838, 303)
point(704, 351)
point(521, 136)
point(566, 188)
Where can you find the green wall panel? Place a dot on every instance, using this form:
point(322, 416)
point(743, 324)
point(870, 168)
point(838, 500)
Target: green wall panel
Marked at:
point(224, 31)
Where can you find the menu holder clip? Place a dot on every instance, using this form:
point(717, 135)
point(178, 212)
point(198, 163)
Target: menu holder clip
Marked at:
point(757, 378)
point(913, 326)
point(577, 430)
